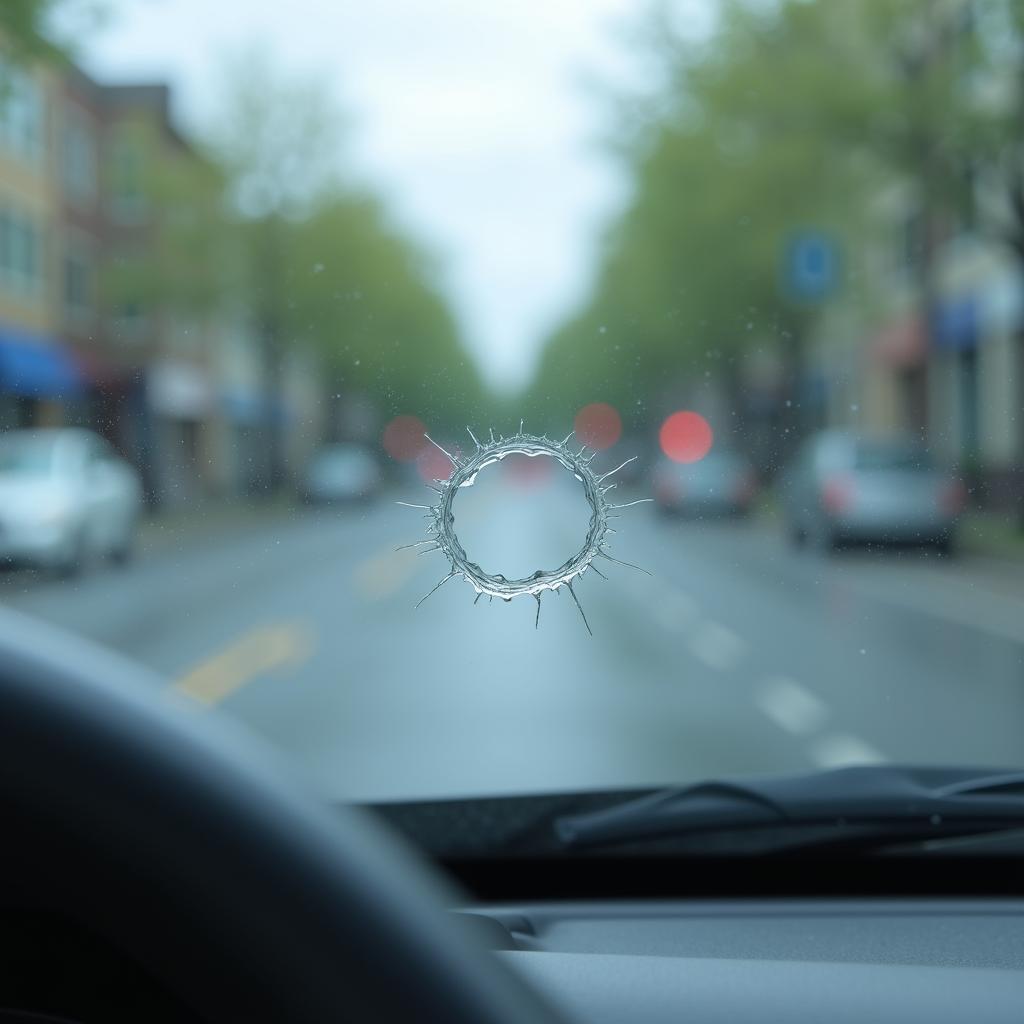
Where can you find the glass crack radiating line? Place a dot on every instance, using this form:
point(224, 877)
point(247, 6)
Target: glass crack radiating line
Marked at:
point(464, 473)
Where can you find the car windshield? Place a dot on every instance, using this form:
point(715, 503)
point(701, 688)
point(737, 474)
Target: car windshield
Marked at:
point(510, 398)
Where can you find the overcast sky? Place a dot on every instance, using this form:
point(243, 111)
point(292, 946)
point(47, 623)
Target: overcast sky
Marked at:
point(471, 113)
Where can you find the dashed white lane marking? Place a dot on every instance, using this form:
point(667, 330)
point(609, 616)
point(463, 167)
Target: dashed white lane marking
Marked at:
point(790, 706)
point(783, 700)
point(717, 646)
point(838, 749)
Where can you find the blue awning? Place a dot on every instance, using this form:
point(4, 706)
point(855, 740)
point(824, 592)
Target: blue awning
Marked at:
point(36, 367)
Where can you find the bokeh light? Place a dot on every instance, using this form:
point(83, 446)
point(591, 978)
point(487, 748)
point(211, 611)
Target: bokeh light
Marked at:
point(525, 472)
point(403, 438)
point(433, 464)
point(598, 426)
point(685, 437)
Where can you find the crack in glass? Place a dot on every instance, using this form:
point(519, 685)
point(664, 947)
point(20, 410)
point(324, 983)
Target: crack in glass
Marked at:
point(441, 528)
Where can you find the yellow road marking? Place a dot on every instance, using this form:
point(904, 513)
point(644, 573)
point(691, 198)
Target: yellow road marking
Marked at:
point(282, 646)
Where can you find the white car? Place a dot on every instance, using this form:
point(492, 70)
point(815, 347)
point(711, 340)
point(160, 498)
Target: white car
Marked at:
point(65, 496)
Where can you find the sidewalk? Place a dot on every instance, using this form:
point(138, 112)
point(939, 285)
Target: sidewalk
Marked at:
point(989, 556)
point(994, 536)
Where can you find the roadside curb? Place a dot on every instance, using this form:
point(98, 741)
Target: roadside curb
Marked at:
point(993, 537)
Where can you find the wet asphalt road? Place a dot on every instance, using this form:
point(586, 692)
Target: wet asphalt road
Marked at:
point(738, 655)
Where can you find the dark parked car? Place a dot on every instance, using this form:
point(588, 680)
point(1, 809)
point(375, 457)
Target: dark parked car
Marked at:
point(722, 483)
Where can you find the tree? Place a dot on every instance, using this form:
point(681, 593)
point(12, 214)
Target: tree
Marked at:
point(184, 268)
point(261, 224)
point(23, 24)
point(790, 115)
point(322, 265)
point(1001, 153)
point(26, 25)
point(278, 140)
point(361, 294)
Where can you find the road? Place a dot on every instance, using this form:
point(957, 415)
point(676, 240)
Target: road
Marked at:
point(737, 654)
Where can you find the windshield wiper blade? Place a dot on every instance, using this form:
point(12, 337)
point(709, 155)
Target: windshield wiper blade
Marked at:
point(889, 801)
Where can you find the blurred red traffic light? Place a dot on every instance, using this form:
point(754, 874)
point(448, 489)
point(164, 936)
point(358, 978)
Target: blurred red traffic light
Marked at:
point(685, 437)
point(433, 464)
point(404, 439)
point(598, 426)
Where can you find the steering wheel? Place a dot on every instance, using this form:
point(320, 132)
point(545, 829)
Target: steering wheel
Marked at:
point(186, 845)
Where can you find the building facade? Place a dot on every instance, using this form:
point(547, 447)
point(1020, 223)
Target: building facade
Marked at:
point(38, 374)
point(111, 313)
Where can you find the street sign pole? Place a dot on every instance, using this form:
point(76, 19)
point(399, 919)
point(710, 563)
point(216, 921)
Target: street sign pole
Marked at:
point(809, 275)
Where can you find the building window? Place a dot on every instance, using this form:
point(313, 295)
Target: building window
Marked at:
point(20, 253)
point(78, 157)
point(79, 281)
point(22, 113)
point(127, 190)
point(128, 313)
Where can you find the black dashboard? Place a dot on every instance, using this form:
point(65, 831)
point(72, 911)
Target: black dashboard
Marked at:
point(705, 938)
point(634, 940)
point(734, 961)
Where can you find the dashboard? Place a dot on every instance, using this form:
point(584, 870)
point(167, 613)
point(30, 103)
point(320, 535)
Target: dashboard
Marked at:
point(721, 939)
point(766, 960)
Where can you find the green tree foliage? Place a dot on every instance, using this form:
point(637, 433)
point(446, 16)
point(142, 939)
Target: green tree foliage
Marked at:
point(263, 224)
point(320, 264)
point(362, 294)
point(789, 116)
point(22, 24)
point(26, 25)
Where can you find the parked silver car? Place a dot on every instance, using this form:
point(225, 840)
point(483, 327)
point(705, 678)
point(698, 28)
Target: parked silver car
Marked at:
point(845, 487)
point(721, 483)
point(65, 496)
point(341, 472)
